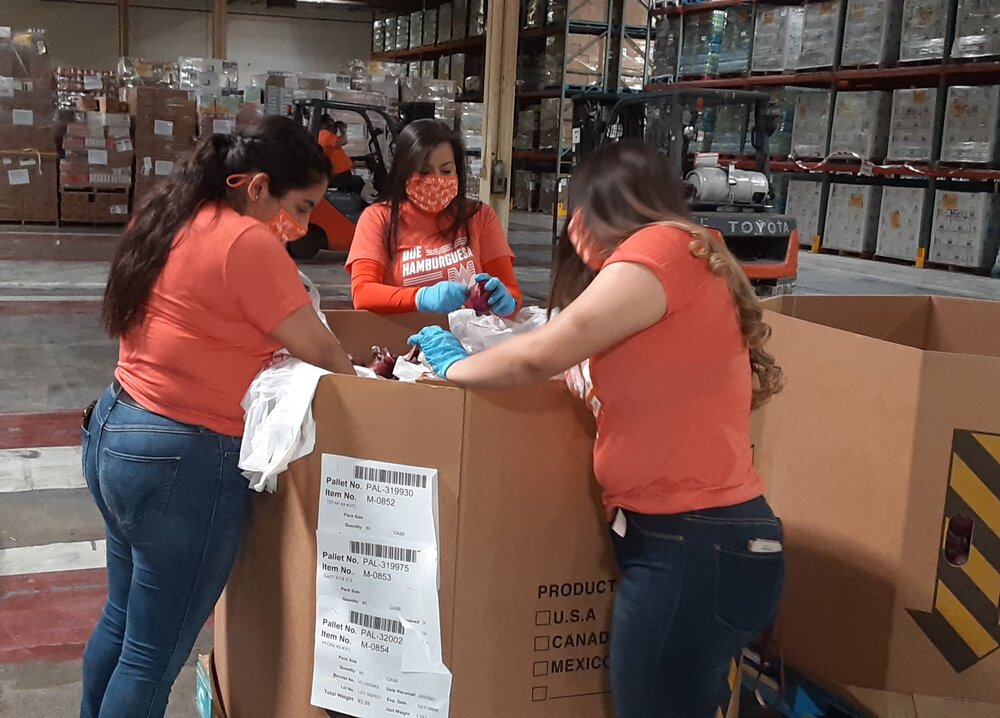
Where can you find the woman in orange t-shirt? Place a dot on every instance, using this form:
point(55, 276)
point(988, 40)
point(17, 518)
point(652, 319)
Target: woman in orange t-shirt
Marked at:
point(333, 138)
point(660, 331)
point(201, 294)
point(424, 245)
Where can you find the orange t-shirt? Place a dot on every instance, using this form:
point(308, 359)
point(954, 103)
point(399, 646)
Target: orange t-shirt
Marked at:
point(334, 152)
point(227, 284)
point(426, 255)
point(673, 416)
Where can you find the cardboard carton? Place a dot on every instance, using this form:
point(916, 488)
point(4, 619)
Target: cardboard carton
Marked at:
point(28, 186)
point(887, 430)
point(94, 207)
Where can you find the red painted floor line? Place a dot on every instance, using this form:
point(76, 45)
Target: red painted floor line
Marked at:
point(34, 431)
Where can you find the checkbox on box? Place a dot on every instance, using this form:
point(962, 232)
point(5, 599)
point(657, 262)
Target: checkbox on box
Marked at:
point(540, 668)
point(543, 618)
point(540, 693)
point(542, 643)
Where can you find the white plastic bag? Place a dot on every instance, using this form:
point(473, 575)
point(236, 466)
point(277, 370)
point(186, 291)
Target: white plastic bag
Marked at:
point(480, 333)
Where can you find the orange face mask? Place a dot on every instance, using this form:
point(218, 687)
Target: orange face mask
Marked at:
point(432, 193)
point(283, 223)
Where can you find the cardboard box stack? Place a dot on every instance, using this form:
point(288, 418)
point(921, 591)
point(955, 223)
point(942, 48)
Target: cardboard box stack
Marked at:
point(378, 35)
point(911, 128)
point(95, 174)
point(777, 38)
point(632, 65)
point(165, 127)
point(666, 46)
point(531, 73)
point(966, 229)
point(871, 32)
point(28, 160)
point(783, 101)
point(861, 124)
point(139, 72)
point(727, 126)
point(804, 202)
point(737, 39)
point(852, 215)
point(402, 32)
point(476, 18)
point(555, 124)
point(702, 36)
point(470, 124)
point(581, 57)
point(439, 92)
point(475, 168)
point(430, 36)
point(389, 33)
point(924, 27)
point(636, 12)
point(589, 11)
point(820, 34)
point(416, 26)
point(525, 193)
point(977, 32)
point(526, 132)
point(972, 125)
point(444, 23)
point(203, 76)
point(810, 136)
point(86, 90)
point(459, 19)
point(899, 228)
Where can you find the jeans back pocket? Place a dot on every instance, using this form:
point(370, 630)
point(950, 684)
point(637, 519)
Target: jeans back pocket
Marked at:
point(136, 488)
point(747, 588)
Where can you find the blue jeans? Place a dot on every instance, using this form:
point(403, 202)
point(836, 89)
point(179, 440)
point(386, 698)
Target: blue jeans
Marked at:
point(695, 589)
point(174, 506)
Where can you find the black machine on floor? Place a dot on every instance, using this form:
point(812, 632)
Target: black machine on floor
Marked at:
point(736, 203)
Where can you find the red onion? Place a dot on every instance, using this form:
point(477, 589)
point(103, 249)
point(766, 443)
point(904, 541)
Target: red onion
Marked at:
point(479, 298)
point(384, 362)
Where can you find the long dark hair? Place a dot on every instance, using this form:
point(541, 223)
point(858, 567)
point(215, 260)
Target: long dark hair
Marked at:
point(413, 145)
point(287, 153)
point(626, 186)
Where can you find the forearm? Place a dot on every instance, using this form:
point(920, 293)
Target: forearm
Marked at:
point(520, 361)
point(369, 293)
point(333, 358)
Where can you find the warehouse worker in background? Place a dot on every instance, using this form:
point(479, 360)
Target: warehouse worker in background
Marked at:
point(657, 312)
point(333, 139)
point(200, 294)
point(423, 245)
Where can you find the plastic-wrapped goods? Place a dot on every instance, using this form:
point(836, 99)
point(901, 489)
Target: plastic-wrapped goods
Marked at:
point(804, 202)
point(477, 17)
point(925, 24)
point(861, 124)
point(900, 222)
point(592, 11)
point(777, 38)
point(459, 19)
point(428, 69)
point(416, 28)
point(530, 71)
point(911, 129)
point(98, 151)
point(474, 174)
point(137, 72)
point(430, 26)
point(444, 22)
point(783, 103)
point(384, 79)
point(737, 38)
point(208, 76)
point(966, 229)
point(28, 190)
point(977, 33)
point(632, 67)
point(473, 74)
point(636, 13)
point(665, 49)
point(470, 124)
point(871, 32)
point(27, 92)
point(279, 92)
point(217, 115)
point(389, 33)
point(79, 89)
point(584, 62)
point(357, 131)
point(972, 125)
point(702, 40)
point(555, 124)
point(534, 13)
point(526, 130)
point(378, 35)
point(413, 68)
point(810, 136)
point(548, 196)
point(525, 191)
point(444, 67)
point(440, 92)
point(820, 34)
point(402, 32)
point(165, 126)
point(852, 218)
point(458, 70)
point(728, 128)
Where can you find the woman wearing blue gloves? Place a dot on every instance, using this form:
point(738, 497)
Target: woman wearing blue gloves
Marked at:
point(424, 245)
point(662, 334)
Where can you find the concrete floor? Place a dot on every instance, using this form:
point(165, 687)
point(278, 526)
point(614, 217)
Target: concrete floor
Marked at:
point(54, 359)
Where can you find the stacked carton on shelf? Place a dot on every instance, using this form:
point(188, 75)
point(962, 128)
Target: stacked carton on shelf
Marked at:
point(477, 17)
point(581, 56)
point(444, 22)
point(526, 133)
point(165, 127)
point(861, 124)
point(810, 135)
point(632, 66)
point(820, 34)
point(525, 192)
point(924, 30)
point(871, 32)
point(972, 125)
point(470, 124)
point(555, 124)
point(701, 40)
point(900, 222)
point(966, 229)
point(736, 41)
point(86, 90)
point(804, 202)
point(777, 38)
point(584, 11)
point(852, 216)
point(977, 29)
point(95, 174)
point(665, 52)
point(911, 129)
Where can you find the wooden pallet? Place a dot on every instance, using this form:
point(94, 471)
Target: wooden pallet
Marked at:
point(869, 254)
point(956, 269)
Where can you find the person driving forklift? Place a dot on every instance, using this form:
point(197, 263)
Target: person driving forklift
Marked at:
point(333, 138)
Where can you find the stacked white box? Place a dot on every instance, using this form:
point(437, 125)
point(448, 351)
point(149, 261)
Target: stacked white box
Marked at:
point(900, 222)
point(804, 202)
point(811, 131)
point(971, 125)
point(861, 124)
point(977, 31)
point(966, 229)
point(819, 34)
point(852, 218)
point(777, 38)
point(871, 32)
point(925, 25)
point(911, 130)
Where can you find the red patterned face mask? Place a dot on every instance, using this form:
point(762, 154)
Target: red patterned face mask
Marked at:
point(286, 226)
point(432, 193)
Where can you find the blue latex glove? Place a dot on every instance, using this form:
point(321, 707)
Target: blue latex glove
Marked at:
point(442, 298)
point(501, 301)
point(440, 348)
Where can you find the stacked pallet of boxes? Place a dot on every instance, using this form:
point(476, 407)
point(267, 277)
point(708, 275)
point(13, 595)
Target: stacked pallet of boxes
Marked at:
point(165, 127)
point(87, 90)
point(28, 159)
point(95, 173)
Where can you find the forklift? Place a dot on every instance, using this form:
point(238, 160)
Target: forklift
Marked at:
point(737, 204)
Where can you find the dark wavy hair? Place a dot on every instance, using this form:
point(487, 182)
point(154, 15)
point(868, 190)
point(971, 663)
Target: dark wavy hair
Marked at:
point(417, 140)
point(287, 153)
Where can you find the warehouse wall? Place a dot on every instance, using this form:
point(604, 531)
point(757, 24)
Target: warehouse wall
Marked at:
point(85, 34)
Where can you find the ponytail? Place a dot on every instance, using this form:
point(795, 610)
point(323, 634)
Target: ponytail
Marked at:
point(276, 145)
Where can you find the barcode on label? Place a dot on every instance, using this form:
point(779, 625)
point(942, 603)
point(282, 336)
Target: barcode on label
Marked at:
point(389, 476)
point(377, 550)
point(376, 623)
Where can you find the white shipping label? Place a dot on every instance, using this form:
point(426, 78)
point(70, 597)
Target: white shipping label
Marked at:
point(18, 177)
point(28, 163)
point(6, 86)
point(223, 127)
point(147, 165)
point(163, 128)
point(124, 146)
point(119, 209)
point(24, 118)
point(97, 157)
point(92, 82)
point(164, 168)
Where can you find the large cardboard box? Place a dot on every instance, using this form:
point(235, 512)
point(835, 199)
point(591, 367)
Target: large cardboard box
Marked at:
point(526, 576)
point(888, 428)
point(28, 186)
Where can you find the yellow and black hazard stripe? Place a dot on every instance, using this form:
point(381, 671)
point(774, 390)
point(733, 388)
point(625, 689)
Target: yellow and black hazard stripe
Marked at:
point(965, 622)
point(726, 700)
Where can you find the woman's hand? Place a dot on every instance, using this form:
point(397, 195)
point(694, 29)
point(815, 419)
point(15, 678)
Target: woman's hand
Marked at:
point(440, 348)
point(306, 338)
point(501, 302)
point(442, 298)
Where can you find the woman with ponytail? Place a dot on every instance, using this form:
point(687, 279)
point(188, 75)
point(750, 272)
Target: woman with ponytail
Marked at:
point(200, 294)
point(659, 330)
